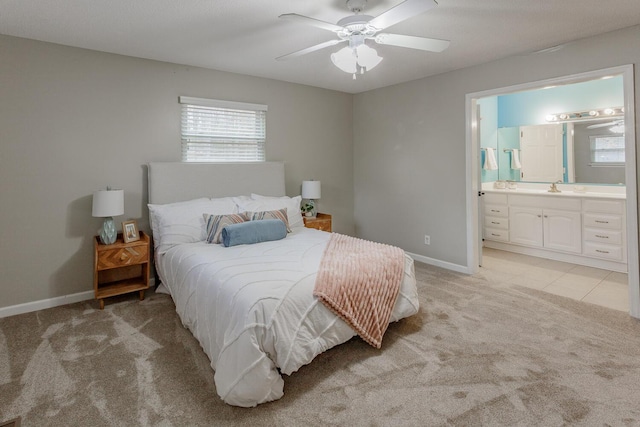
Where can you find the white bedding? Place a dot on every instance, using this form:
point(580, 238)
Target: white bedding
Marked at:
point(251, 308)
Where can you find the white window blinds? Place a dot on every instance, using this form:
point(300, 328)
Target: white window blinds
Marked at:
point(222, 131)
point(607, 150)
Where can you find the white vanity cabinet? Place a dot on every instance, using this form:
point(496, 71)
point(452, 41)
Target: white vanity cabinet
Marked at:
point(562, 230)
point(604, 231)
point(573, 228)
point(546, 222)
point(496, 217)
point(526, 226)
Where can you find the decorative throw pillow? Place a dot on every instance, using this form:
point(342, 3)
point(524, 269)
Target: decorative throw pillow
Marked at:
point(215, 223)
point(181, 222)
point(251, 232)
point(280, 214)
point(266, 203)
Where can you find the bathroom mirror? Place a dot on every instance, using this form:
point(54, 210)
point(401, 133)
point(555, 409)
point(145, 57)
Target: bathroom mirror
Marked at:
point(585, 152)
point(571, 133)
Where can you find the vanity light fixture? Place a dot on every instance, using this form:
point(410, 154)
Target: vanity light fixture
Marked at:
point(602, 113)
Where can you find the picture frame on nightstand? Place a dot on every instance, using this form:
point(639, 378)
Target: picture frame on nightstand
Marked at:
point(130, 231)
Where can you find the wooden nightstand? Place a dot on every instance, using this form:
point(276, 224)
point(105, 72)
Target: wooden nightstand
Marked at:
point(321, 222)
point(120, 268)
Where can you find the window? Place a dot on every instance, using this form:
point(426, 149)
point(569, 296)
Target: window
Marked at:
point(222, 131)
point(607, 150)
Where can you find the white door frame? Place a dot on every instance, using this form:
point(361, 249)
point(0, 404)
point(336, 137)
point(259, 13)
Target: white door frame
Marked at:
point(473, 184)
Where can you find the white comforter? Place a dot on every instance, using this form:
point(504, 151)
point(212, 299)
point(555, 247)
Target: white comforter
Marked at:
point(252, 309)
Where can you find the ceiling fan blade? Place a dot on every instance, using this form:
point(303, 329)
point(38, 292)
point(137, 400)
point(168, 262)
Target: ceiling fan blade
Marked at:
point(412, 42)
point(602, 125)
point(311, 21)
point(309, 50)
point(400, 12)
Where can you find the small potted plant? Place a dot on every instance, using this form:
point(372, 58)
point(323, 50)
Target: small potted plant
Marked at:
point(307, 209)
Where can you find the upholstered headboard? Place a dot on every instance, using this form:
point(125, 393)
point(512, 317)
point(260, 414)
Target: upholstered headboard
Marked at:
point(177, 181)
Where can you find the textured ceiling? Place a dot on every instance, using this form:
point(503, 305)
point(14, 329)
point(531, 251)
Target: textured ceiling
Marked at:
point(245, 36)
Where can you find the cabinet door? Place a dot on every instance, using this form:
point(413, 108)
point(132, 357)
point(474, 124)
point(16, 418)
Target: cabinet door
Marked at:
point(525, 226)
point(562, 230)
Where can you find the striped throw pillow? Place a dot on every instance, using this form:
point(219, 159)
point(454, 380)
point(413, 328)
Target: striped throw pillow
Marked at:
point(215, 223)
point(280, 214)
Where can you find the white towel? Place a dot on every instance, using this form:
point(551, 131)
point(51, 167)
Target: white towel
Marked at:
point(515, 159)
point(490, 162)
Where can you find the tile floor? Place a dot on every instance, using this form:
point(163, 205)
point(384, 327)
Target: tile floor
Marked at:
point(593, 285)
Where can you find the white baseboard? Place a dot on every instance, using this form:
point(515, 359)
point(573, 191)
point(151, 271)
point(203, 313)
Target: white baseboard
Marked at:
point(438, 263)
point(42, 304)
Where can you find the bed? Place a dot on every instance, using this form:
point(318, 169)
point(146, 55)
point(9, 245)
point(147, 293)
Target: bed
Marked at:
point(251, 307)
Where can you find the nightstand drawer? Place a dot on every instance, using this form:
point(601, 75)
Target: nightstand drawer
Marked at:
point(322, 222)
point(120, 257)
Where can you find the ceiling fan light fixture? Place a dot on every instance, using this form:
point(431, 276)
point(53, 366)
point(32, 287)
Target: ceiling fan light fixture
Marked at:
point(368, 57)
point(356, 60)
point(345, 60)
point(355, 29)
point(619, 128)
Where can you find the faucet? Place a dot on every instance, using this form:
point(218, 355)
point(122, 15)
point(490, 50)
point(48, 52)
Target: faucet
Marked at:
point(554, 188)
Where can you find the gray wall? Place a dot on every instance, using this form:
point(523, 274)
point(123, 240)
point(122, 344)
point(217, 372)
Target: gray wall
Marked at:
point(73, 121)
point(409, 143)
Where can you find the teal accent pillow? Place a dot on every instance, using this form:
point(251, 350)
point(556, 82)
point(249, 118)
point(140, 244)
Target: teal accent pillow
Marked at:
point(250, 232)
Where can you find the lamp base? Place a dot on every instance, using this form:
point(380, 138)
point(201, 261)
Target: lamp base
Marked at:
point(314, 211)
point(108, 233)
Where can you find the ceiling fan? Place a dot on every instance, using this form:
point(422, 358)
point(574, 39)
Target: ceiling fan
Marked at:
point(616, 126)
point(358, 57)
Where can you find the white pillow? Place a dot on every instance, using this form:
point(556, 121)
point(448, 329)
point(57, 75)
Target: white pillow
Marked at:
point(182, 222)
point(267, 203)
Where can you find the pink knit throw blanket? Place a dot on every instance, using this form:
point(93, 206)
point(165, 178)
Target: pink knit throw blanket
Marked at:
point(359, 280)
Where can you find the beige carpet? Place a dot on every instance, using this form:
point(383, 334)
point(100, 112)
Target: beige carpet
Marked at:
point(478, 353)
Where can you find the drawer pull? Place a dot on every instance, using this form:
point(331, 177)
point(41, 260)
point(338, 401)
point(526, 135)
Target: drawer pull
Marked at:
point(599, 221)
point(601, 251)
point(494, 234)
point(602, 237)
point(494, 222)
point(495, 210)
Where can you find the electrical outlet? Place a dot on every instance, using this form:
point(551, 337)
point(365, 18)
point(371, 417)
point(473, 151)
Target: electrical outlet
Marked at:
point(427, 239)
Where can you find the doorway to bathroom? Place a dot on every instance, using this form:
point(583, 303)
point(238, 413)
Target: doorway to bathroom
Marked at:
point(483, 106)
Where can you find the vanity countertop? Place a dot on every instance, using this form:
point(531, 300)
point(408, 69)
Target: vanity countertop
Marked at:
point(566, 190)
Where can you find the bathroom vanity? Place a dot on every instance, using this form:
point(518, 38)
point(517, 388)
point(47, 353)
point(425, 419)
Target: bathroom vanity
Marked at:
point(586, 227)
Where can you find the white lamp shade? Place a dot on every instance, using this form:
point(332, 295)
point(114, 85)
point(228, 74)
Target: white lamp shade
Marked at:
point(108, 203)
point(311, 190)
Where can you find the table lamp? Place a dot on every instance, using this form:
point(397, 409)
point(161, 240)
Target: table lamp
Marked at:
point(311, 190)
point(107, 204)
